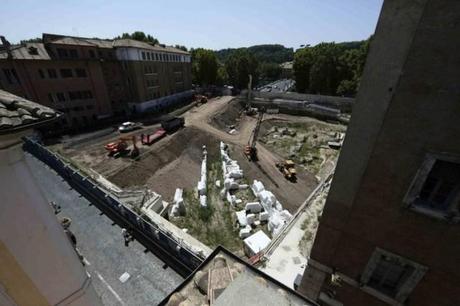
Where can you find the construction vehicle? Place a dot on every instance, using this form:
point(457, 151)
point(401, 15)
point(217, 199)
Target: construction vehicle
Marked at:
point(287, 167)
point(121, 147)
point(149, 139)
point(201, 99)
point(173, 124)
point(250, 150)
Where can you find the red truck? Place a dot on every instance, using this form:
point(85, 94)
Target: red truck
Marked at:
point(148, 139)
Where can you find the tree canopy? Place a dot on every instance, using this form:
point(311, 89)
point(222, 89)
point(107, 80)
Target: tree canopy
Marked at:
point(263, 53)
point(140, 36)
point(204, 67)
point(239, 66)
point(330, 68)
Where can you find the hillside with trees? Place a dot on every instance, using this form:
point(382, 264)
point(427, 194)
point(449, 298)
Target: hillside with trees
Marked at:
point(263, 53)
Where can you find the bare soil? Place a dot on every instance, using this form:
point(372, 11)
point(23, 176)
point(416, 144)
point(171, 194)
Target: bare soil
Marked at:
point(174, 164)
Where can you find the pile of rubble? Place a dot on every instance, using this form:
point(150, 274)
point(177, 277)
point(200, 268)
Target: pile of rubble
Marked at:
point(231, 173)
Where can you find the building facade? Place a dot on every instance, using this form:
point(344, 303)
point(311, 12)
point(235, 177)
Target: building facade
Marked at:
point(157, 76)
point(93, 79)
point(389, 234)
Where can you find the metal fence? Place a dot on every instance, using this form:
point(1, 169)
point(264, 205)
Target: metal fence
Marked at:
point(185, 259)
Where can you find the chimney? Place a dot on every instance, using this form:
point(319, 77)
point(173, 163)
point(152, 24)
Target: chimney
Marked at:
point(6, 46)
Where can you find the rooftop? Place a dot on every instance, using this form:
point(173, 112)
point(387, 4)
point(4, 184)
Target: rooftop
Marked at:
point(18, 113)
point(37, 51)
point(224, 279)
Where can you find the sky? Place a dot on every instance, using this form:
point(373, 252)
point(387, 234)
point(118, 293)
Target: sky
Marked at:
point(212, 24)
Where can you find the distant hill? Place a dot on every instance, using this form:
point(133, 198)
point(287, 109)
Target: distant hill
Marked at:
point(264, 53)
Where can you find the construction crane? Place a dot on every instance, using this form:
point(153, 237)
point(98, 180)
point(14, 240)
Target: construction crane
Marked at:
point(250, 110)
point(250, 150)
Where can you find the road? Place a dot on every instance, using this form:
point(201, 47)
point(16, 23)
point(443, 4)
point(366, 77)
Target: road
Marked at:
point(278, 86)
point(101, 243)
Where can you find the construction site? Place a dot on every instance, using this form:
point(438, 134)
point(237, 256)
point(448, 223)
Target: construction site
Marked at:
point(225, 172)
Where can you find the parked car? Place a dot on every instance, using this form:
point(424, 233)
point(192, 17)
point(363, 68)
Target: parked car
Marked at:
point(128, 126)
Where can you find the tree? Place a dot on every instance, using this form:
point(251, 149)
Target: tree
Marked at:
point(330, 68)
point(325, 73)
point(270, 71)
point(239, 66)
point(180, 47)
point(31, 40)
point(140, 36)
point(204, 66)
point(303, 60)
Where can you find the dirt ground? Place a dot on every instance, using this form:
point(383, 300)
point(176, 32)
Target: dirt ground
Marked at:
point(175, 163)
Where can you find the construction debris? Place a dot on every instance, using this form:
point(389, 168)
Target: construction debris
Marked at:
point(178, 206)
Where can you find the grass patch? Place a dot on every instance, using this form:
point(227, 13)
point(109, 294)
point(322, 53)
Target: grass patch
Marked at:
point(212, 225)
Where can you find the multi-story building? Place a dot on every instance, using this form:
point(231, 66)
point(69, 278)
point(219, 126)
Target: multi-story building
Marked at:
point(156, 75)
point(390, 233)
point(92, 79)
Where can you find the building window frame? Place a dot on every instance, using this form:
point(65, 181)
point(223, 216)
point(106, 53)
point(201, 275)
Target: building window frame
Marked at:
point(405, 287)
point(66, 73)
point(52, 74)
point(81, 73)
point(452, 213)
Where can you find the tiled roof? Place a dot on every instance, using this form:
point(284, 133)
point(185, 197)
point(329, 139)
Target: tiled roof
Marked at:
point(17, 112)
point(35, 51)
point(131, 43)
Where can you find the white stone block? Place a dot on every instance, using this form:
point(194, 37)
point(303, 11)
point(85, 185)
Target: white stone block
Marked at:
point(250, 218)
point(253, 207)
point(263, 216)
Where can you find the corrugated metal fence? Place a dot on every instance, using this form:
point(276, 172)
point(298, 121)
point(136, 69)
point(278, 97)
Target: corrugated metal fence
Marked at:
point(157, 240)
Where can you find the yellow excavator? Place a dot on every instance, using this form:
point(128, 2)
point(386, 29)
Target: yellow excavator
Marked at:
point(287, 167)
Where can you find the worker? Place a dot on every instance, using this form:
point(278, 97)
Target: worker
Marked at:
point(56, 207)
point(127, 236)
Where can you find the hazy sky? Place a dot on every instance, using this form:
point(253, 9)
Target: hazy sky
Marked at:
point(213, 24)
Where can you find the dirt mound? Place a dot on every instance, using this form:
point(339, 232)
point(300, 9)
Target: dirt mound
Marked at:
point(230, 115)
point(174, 164)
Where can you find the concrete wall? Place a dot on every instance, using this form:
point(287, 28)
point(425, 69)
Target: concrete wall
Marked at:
point(407, 107)
point(344, 104)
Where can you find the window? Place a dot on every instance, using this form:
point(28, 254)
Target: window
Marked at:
point(80, 72)
point(92, 54)
point(87, 94)
point(66, 73)
point(51, 97)
point(52, 74)
point(60, 96)
point(143, 56)
point(62, 53)
point(435, 190)
point(156, 56)
point(41, 74)
point(392, 275)
point(73, 53)
point(33, 51)
point(11, 76)
point(388, 275)
point(148, 56)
